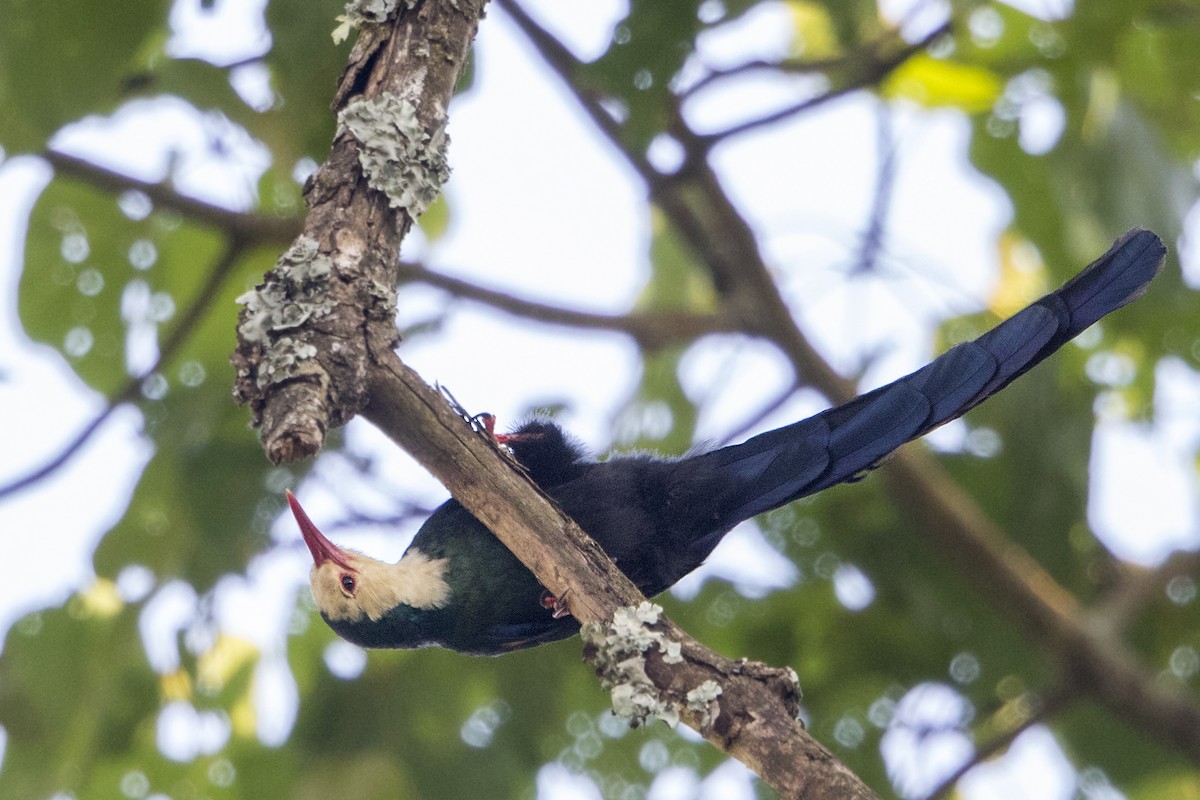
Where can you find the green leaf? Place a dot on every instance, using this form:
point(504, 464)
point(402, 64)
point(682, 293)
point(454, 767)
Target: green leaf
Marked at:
point(74, 694)
point(815, 34)
point(85, 259)
point(60, 61)
point(436, 219)
point(650, 46)
point(935, 82)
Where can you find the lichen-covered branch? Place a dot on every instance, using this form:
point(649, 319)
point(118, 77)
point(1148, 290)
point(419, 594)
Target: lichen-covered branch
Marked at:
point(302, 359)
point(745, 708)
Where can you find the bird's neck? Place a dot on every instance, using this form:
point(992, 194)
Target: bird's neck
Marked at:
point(416, 580)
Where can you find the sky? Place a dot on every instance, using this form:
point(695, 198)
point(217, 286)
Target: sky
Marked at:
point(805, 186)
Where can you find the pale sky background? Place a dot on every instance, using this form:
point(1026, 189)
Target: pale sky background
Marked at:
point(805, 186)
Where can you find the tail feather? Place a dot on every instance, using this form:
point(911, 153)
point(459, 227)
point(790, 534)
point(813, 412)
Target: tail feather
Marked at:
point(836, 445)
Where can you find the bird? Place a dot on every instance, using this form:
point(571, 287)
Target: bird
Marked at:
point(457, 586)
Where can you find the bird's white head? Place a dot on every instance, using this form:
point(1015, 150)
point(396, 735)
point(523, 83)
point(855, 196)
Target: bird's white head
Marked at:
point(349, 586)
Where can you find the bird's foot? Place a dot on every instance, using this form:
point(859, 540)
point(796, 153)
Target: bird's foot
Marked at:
point(557, 605)
point(488, 421)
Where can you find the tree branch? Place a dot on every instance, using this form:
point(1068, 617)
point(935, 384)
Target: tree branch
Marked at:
point(744, 428)
point(1137, 586)
point(245, 227)
point(885, 182)
point(242, 228)
point(1054, 702)
point(872, 72)
point(651, 330)
point(1093, 659)
point(872, 52)
point(300, 379)
point(754, 718)
point(786, 66)
point(719, 238)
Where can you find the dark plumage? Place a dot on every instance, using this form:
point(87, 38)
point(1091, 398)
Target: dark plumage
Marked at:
point(458, 587)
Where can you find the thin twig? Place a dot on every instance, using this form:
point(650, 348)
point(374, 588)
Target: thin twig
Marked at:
point(1138, 586)
point(872, 74)
point(651, 330)
point(407, 513)
point(242, 228)
point(1050, 705)
point(740, 431)
point(257, 228)
point(881, 201)
point(564, 64)
point(793, 66)
point(692, 199)
point(866, 53)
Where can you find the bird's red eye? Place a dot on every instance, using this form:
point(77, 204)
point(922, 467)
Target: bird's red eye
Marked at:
point(348, 583)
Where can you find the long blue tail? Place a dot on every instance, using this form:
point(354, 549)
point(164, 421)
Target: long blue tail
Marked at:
point(836, 445)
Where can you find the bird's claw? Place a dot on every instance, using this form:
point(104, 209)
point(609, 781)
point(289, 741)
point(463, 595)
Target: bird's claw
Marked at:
point(487, 421)
point(557, 605)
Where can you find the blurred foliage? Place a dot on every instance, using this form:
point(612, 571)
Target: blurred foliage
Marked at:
point(84, 709)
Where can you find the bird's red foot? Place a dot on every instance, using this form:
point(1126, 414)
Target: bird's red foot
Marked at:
point(557, 605)
point(488, 421)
